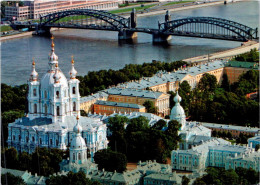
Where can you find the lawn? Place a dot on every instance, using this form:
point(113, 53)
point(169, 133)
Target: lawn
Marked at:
point(177, 2)
point(130, 9)
point(6, 28)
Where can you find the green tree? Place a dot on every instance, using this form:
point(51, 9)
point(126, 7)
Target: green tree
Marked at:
point(9, 178)
point(137, 124)
point(25, 161)
point(110, 160)
point(117, 123)
point(257, 147)
point(208, 83)
point(9, 158)
point(159, 125)
point(71, 179)
point(225, 84)
point(185, 180)
point(149, 106)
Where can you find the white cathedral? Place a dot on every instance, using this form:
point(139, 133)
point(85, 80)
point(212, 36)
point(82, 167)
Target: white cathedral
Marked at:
point(54, 105)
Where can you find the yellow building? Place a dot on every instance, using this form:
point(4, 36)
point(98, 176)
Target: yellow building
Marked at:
point(234, 69)
point(87, 102)
point(160, 100)
point(108, 107)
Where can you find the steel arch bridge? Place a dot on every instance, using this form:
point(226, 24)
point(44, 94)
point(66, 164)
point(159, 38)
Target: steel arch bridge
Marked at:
point(209, 27)
point(116, 21)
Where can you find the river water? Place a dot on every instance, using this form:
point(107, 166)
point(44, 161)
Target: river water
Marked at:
point(95, 50)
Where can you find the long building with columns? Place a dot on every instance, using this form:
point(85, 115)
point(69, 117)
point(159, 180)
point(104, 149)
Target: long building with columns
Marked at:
point(54, 104)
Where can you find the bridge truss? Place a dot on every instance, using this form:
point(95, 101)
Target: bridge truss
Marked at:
point(86, 17)
point(209, 27)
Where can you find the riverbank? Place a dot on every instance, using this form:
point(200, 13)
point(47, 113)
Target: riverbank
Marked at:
point(4, 38)
point(227, 54)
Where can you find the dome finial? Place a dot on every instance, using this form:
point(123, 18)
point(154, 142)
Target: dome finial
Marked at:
point(72, 59)
point(52, 42)
point(77, 128)
point(33, 63)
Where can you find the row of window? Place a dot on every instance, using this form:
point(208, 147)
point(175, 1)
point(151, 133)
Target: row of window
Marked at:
point(57, 92)
point(74, 108)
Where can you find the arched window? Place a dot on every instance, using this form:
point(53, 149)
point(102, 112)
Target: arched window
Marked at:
point(34, 92)
point(57, 94)
point(57, 142)
point(79, 156)
point(74, 106)
point(45, 94)
point(14, 138)
point(33, 139)
point(86, 140)
point(40, 141)
point(46, 109)
point(65, 108)
point(50, 141)
point(58, 110)
point(19, 138)
point(35, 108)
point(27, 139)
point(74, 90)
point(73, 156)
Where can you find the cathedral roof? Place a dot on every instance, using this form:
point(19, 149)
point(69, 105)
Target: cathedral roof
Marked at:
point(177, 111)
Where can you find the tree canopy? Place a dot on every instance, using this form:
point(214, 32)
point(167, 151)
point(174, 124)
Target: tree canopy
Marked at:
point(9, 178)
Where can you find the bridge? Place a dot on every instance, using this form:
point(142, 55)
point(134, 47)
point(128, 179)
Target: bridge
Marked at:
point(202, 27)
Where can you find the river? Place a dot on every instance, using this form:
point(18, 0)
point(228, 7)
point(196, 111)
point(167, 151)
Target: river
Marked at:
point(96, 50)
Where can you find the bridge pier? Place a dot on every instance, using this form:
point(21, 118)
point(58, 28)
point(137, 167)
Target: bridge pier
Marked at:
point(161, 38)
point(43, 31)
point(126, 35)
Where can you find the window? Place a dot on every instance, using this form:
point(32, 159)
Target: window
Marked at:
point(34, 92)
point(33, 139)
point(50, 141)
point(57, 94)
point(57, 142)
point(35, 108)
point(19, 138)
point(79, 156)
point(46, 109)
point(45, 94)
point(58, 110)
point(14, 138)
point(27, 139)
point(73, 156)
point(74, 106)
point(40, 141)
point(74, 90)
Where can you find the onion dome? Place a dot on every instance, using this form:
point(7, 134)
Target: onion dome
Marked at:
point(73, 71)
point(57, 75)
point(34, 74)
point(53, 58)
point(77, 128)
point(177, 111)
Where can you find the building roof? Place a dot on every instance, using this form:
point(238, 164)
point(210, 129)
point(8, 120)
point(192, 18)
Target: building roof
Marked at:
point(95, 96)
point(151, 117)
point(134, 93)
point(162, 77)
point(46, 124)
point(231, 148)
point(152, 166)
point(117, 104)
point(249, 65)
point(232, 127)
point(251, 156)
point(256, 138)
point(172, 177)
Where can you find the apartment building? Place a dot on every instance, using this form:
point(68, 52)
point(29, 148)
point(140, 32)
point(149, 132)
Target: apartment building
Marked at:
point(33, 9)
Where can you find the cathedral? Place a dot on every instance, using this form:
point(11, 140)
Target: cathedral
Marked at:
point(53, 111)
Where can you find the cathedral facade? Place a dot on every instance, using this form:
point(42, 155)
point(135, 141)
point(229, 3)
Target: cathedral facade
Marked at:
point(53, 106)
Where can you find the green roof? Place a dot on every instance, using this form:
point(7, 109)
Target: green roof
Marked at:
point(249, 65)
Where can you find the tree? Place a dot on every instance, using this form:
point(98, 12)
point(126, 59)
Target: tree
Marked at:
point(257, 147)
point(117, 123)
point(185, 180)
point(9, 178)
point(149, 106)
point(225, 84)
point(110, 160)
point(208, 83)
point(137, 124)
point(9, 158)
point(71, 179)
point(159, 125)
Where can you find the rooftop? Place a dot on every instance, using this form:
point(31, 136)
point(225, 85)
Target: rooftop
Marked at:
point(256, 138)
point(116, 104)
point(134, 93)
point(95, 96)
point(250, 65)
point(232, 127)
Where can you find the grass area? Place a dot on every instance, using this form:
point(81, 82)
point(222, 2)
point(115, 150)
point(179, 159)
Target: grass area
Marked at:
point(177, 2)
point(6, 28)
point(130, 9)
point(131, 4)
point(232, 141)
